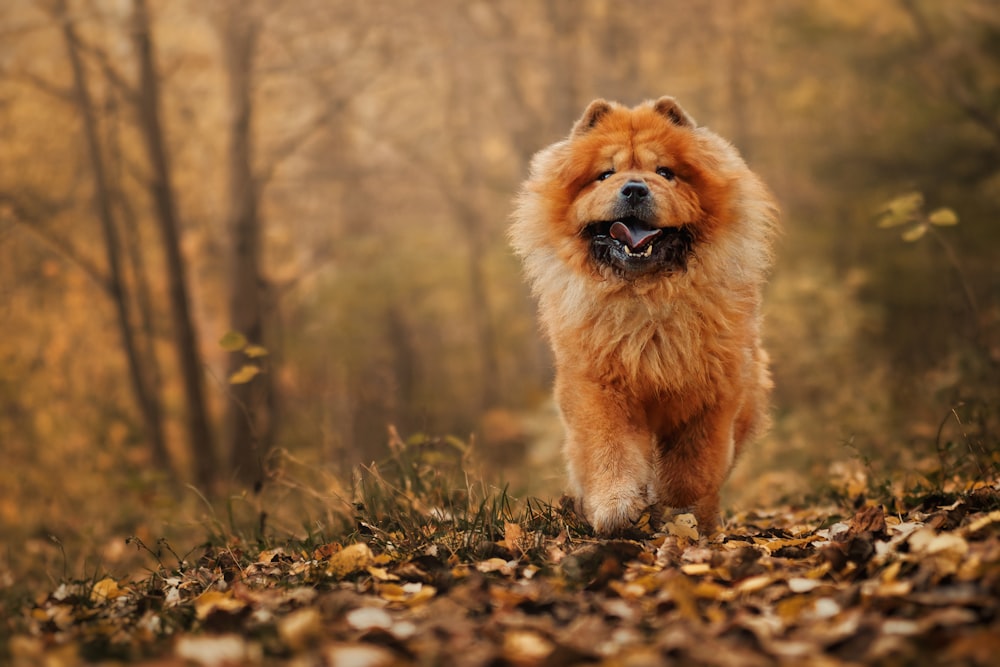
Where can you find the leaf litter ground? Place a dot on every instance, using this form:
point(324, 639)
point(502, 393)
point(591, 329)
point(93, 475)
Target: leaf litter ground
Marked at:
point(419, 583)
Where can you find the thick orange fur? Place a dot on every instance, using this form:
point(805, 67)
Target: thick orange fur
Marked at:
point(661, 378)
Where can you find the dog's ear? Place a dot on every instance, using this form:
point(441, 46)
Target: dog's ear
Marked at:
point(595, 111)
point(669, 108)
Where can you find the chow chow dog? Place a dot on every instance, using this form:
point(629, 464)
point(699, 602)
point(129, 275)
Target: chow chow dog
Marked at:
point(646, 240)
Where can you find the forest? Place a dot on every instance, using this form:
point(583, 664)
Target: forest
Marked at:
point(251, 251)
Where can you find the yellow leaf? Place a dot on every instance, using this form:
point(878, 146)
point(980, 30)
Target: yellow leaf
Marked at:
point(696, 569)
point(914, 233)
point(709, 590)
point(410, 594)
point(943, 217)
point(233, 341)
point(254, 351)
point(526, 647)
point(392, 592)
point(349, 560)
point(105, 589)
point(423, 594)
point(244, 375)
point(754, 584)
point(212, 601)
point(901, 210)
point(982, 522)
point(381, 574)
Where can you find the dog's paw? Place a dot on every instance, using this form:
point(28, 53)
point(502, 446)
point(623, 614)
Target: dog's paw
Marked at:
point(612, 513)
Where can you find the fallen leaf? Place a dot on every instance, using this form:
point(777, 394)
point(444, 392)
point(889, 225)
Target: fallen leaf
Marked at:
point(802, 585)
point(526, 647)
point(300, 628)
point(982, 522)
point(513, 538)
point(217, 651)
point(352, 558)
point(369, 618)
point(106, 589)
point(381, 574)
point(269, 555)
point(213, 601)
point(500, 565)
point(359, 655)
point(696, 569)
point(869, 520)
point(410, 594)
point(754, 584)
point(945, 550)
point(683, 525)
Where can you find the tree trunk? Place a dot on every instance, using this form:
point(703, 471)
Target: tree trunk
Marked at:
point(199, 430)
point(249, 411)
point(143, 389)
point(736, 74)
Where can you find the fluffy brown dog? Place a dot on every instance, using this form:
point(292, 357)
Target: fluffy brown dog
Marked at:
point(646, 240)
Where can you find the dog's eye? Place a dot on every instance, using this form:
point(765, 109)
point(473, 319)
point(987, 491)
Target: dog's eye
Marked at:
point(665, 172)
point(604, 175)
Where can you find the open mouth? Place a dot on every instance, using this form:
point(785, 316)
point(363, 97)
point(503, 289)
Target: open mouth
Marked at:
point(633, 247)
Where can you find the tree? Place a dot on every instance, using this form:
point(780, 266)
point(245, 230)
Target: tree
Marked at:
point(165, 210)
point(140, 373)
point(248, 423)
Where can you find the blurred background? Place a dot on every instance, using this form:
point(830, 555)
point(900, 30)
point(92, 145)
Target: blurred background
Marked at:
point(240, 240)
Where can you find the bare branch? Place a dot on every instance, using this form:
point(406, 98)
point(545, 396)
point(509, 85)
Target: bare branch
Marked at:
point(22, 216)
point(961, 96)
point(64, 95)
point(292, 144)
point(114, 77)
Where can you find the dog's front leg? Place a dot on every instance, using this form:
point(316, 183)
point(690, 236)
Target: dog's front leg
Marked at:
point(609, 454)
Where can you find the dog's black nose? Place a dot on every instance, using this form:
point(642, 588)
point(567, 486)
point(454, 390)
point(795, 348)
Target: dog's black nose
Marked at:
point(634, 192)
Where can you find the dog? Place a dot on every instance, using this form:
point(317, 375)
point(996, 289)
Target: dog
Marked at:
point(647, 242)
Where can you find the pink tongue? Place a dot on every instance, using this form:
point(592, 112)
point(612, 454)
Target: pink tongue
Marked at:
point(634, 238)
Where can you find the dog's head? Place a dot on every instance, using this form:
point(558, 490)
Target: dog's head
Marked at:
point(637, 190)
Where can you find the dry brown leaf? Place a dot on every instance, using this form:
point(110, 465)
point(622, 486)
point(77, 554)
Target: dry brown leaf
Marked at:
point(513, 538)
point(683, 525)
point(504, 567)
point(269, 555)
point(869, 520)
point(945, 550)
